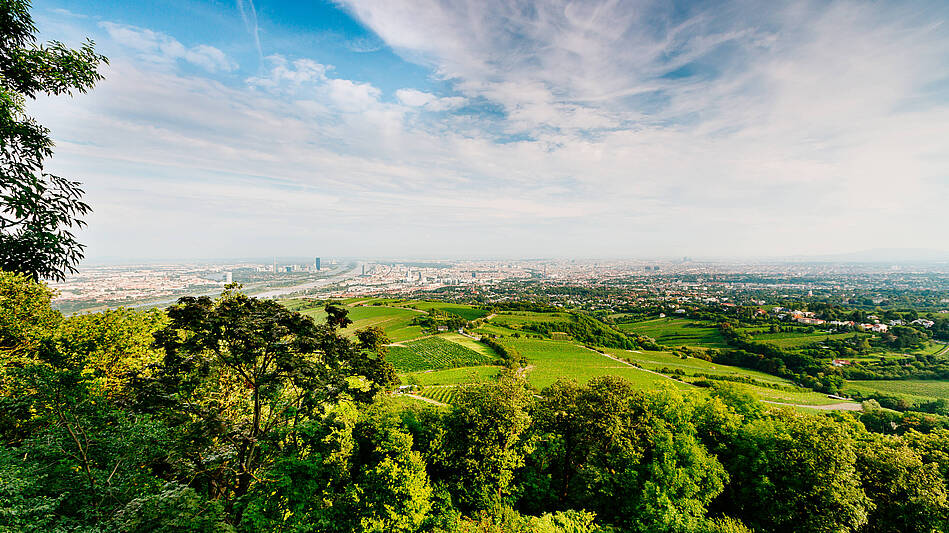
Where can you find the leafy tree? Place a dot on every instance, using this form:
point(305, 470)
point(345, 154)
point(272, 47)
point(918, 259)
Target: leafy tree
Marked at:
point(38, 210)
point(908, 495)
point(632, 457)
point(374, 365)
point(237, 373)
point(794, 472)
point(349, 471)
point(483, 443)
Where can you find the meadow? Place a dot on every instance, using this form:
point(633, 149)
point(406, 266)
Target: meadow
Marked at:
point(468, 312)
point(913, 389)
point(799, 340)
point(519, 318)
point(671, 331)
point(550, 360)
point(659, 360)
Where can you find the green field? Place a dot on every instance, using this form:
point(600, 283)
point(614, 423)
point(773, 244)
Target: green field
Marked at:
point(549, 361)
point(798, 340)
point(659, 360)
point(519, 318)
point(468, 312)
point(671, 331)
point(434, 353)
point(494, 329)
point(451, 376)
point(468, 342)
point(913, 389)
point(394, 321)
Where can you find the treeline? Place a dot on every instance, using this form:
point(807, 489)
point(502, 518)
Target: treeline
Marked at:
point(912, 367)
point(237, 415)
point(509, 355)
point(591, 331)
point(437, 317)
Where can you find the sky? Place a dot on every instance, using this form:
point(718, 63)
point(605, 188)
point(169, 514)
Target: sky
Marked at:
point(506, 128)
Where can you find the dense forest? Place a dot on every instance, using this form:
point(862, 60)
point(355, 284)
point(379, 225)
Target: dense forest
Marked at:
point(237, 414)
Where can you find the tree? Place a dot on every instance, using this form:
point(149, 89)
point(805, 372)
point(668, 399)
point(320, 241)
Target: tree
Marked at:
point(38, 210)
point(238, 374)
point(908, 495)
point(483, 443)
point(794, 472)
point(632, 457)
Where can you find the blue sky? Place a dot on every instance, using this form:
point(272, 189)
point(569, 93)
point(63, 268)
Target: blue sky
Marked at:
point(499, 128)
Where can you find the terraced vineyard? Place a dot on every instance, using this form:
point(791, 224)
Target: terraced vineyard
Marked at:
point(452, 376)
point(434, 353)
point(442, 394)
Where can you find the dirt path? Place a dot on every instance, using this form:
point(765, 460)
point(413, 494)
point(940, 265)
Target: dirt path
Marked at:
point(842, 406)
point(627, 363)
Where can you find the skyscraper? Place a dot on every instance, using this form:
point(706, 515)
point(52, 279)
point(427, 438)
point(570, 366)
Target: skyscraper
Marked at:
point(316, 264)
point(228, 278)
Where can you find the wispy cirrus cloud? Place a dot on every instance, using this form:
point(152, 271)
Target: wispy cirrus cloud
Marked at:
point(248, 13)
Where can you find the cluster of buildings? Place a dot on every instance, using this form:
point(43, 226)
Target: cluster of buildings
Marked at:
point(315, 266)
point(875, 325)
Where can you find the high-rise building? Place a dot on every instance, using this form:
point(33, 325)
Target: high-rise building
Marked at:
point(317, 264)
point(274, 264)
point(228, 277)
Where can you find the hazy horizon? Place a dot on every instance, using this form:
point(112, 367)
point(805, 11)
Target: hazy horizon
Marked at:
point(431, 128)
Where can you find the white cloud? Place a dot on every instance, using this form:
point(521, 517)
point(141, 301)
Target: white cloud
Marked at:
point(353, 96)
point(161, 48)
point(290, 74)
point(807, 129)
point(421, 99)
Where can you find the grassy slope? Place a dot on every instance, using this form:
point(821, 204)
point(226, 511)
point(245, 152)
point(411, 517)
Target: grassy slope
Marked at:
point(551, 360)
point(913, 389)
point(658, 360)
point(468, 312)
point(677, 332)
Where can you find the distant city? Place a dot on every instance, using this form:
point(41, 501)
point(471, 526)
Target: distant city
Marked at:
point(105, 286)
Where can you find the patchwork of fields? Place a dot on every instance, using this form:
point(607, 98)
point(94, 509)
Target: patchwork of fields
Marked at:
point(441, 363)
